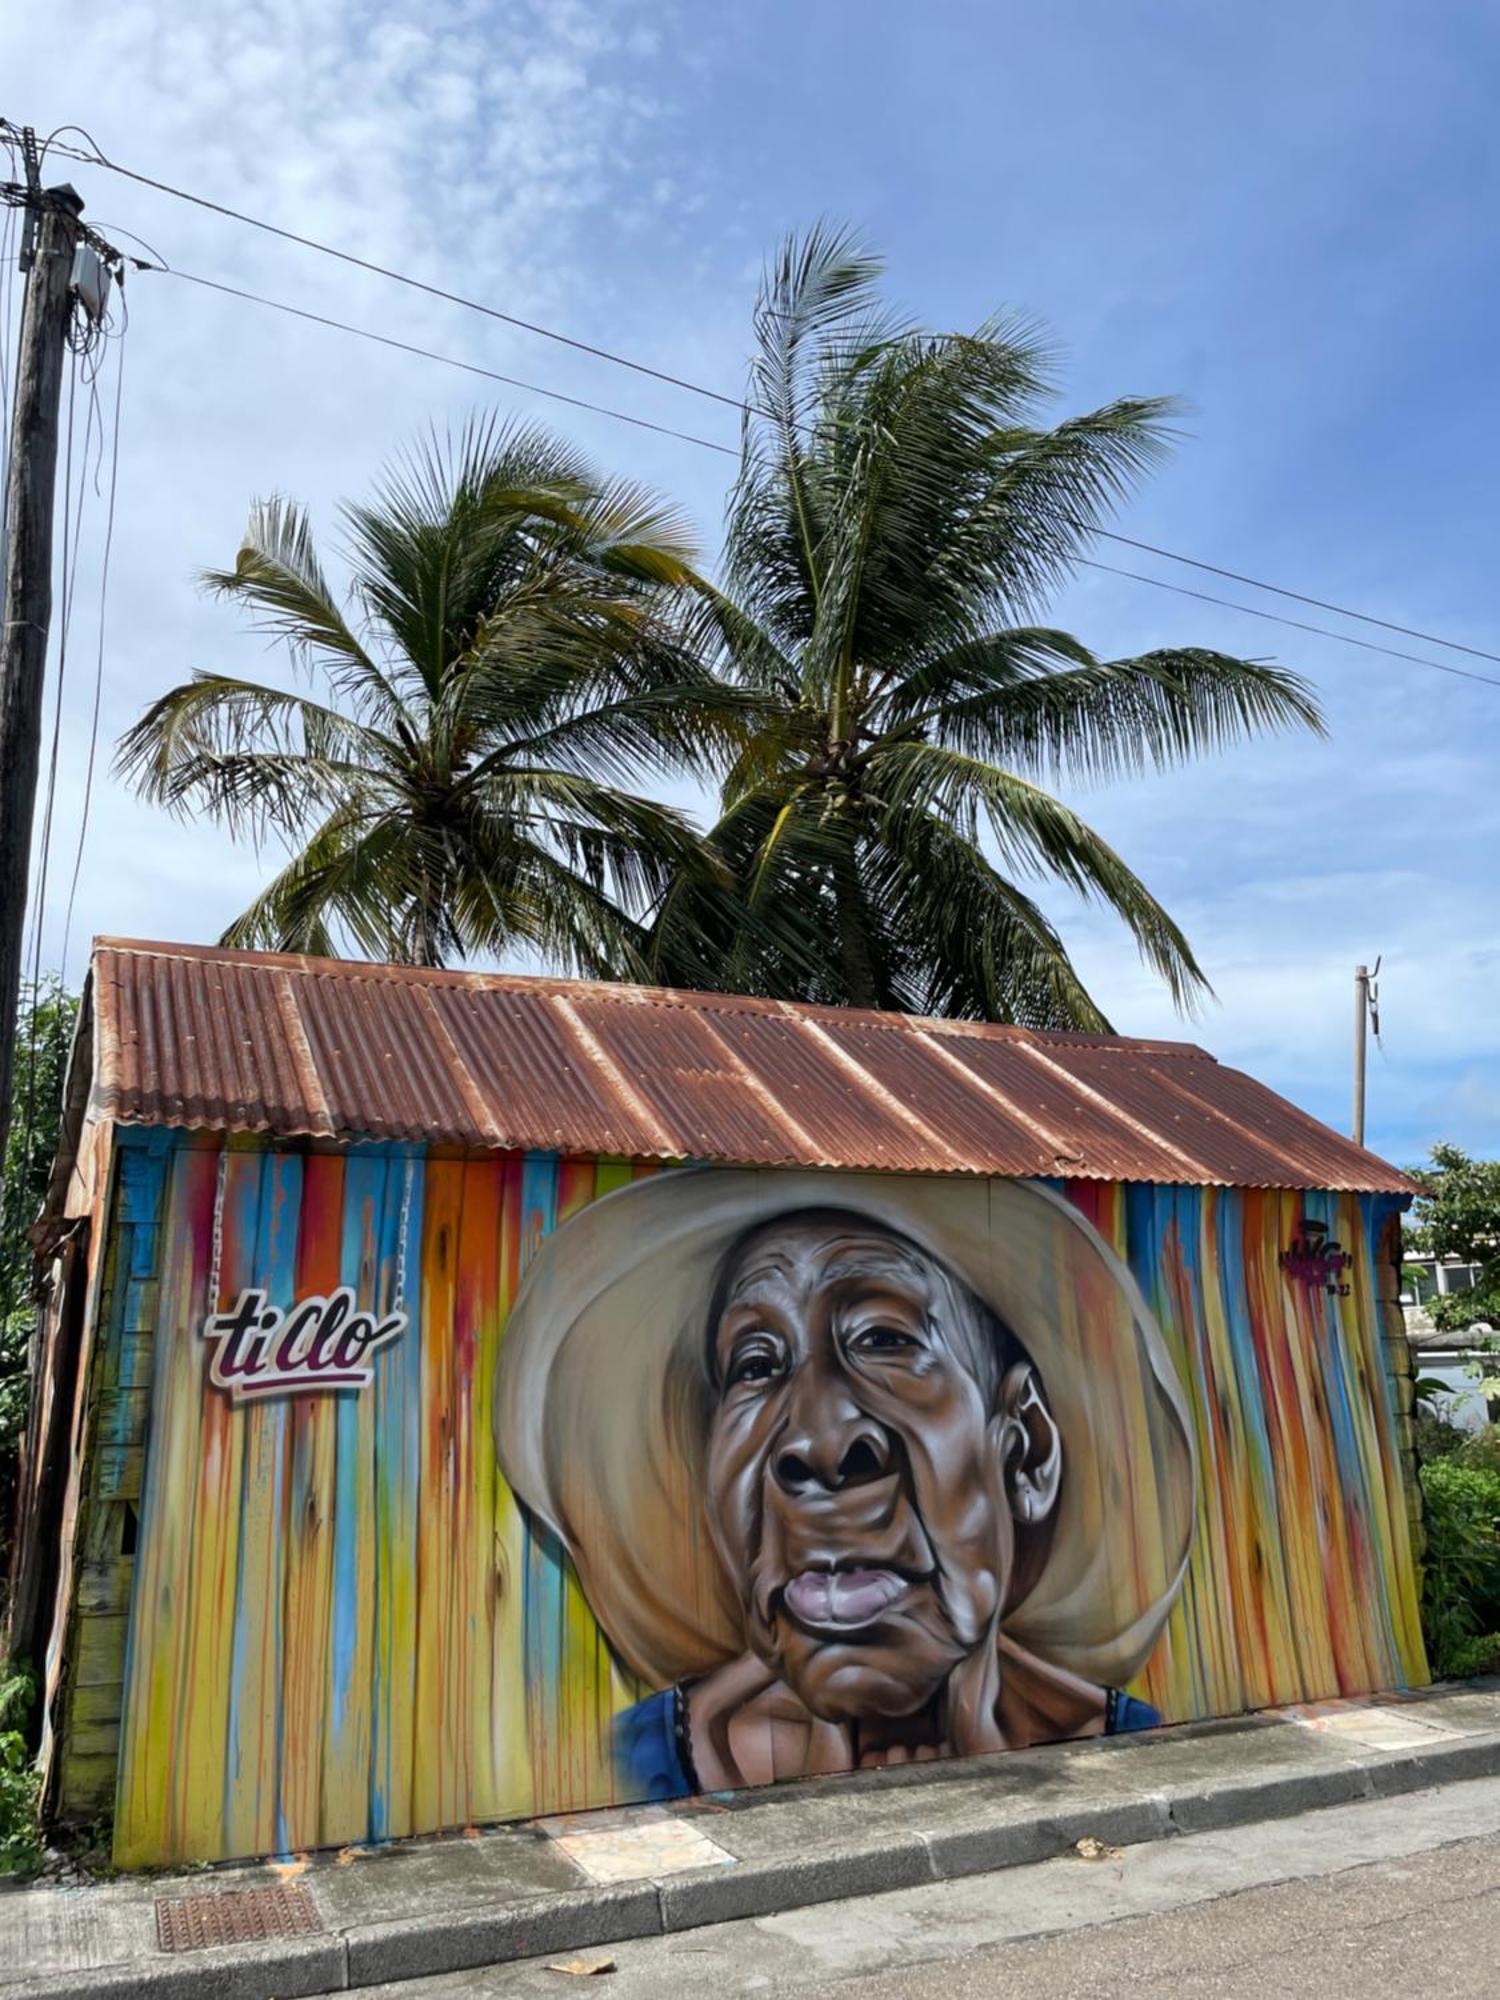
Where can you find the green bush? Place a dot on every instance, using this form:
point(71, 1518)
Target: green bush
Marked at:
point(1460, 1310)
point(1475, 1656)
point(1461, 1573)
point(1481, 1450)
point(20, 1840)
point(44, 1031)
point(1435, 1437)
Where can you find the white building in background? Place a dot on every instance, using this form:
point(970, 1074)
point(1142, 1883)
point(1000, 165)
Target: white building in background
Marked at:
point(1456, 1359)
point(1424, 1279)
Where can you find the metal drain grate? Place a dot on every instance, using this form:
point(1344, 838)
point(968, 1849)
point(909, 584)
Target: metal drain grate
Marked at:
point(236, 1916)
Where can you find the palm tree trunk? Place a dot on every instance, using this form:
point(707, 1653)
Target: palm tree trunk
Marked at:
point(856, 956)
point(426, 928)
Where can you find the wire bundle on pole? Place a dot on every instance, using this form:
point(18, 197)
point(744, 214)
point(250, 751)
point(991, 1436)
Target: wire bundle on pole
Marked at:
point(90, 340)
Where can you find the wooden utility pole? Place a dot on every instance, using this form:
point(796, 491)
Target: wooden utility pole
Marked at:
point(1366, 1013)
point(28, 581)
point(1361, 1015)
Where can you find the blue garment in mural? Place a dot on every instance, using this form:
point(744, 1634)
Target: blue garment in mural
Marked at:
point(654, 1752)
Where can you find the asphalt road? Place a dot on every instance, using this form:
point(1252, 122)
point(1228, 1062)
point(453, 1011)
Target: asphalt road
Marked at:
point(1378, 1901)
point(1430, 1925)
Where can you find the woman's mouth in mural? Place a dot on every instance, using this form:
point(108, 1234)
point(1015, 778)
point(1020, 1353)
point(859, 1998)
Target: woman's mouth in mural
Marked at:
point(844, 1599)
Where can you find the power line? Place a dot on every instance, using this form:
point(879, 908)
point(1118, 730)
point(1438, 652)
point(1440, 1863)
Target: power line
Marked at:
point(98, 159)
point(69, 561)
point(1294, 624)
point(72, 526)
point(1301, 597)
point(708, 444)
point(431, 354)
point(88, 781)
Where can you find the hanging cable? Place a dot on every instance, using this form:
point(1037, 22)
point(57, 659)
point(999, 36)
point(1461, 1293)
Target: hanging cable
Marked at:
point(97, 159)
point(109, 537)
point(708, 444)
point(1300, 597)
point(447, 360)
point(28, 1123)
point(1294, 624)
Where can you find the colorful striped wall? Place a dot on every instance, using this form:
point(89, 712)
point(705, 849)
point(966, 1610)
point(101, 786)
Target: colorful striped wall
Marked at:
point(342, 1628)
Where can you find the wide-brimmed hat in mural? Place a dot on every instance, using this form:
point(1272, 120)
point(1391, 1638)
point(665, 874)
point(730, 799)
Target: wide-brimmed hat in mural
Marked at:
point(603, 1399)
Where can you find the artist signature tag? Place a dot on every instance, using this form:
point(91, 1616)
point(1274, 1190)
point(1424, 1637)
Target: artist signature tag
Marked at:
point(315, 1346)
point(1317, 1260)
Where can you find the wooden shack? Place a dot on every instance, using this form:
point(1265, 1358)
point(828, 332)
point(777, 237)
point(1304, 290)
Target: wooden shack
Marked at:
point(462, 1398)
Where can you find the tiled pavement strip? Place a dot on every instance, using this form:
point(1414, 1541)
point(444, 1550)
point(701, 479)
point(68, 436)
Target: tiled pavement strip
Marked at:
point(568, 1884)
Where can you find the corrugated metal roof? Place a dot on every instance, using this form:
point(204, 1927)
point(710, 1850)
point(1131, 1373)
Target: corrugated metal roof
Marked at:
point(264, 1042)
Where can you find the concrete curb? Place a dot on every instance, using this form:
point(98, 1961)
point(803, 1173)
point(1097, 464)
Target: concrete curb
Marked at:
point(578, 1919)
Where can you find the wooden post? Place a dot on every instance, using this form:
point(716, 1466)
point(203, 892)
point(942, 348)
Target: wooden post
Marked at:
point(28, 585)
point(1361, 1016)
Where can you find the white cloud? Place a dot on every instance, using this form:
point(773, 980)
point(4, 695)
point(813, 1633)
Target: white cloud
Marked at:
point(467, 146)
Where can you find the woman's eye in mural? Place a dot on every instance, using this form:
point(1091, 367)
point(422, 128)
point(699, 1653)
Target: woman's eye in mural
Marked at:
point(883, 1341)
point(754, 1362)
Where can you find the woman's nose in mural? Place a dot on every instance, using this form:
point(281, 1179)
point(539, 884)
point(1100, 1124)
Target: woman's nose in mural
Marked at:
point(829, 1443)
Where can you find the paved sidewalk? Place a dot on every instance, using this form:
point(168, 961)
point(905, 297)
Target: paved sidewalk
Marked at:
point(565, 1886)
point(1406, 1889)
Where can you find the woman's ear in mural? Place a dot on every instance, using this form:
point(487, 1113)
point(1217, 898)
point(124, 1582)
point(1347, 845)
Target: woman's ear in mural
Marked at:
point(1030, 1447)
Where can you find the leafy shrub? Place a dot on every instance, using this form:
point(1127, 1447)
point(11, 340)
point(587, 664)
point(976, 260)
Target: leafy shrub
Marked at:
point(1475, 1656)
point(44, 1031)
point(20, 1840)
point(1481, 1450)
point(1461, 1574)
point(1461, 1310)
point(1435, 1437)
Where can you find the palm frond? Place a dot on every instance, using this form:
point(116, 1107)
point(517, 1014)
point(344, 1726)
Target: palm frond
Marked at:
point(971, 944)
point(816, 289)
point(929, 686)
point(678, 725)
point(350, 883)
point(1122, 717)
point(1047, 491)
point(453, 525)
point(633, 841)
point(247, 755)
point(912, 443)
point(706, 932)
point(1035, 834)
point(278, 577)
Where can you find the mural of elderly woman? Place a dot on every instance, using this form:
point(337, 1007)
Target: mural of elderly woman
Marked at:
point(854, 1469)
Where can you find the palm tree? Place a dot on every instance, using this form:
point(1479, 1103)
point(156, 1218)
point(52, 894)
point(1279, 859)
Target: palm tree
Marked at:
point(899, 518)
point(453, 782)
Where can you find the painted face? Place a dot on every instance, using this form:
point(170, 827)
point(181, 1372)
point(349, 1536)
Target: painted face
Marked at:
point(857, 1463)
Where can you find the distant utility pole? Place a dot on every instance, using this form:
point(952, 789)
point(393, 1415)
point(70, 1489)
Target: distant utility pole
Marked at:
point(52, 237)
point(1366, 1010)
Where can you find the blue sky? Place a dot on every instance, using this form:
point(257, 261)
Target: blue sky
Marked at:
point(1283, 214)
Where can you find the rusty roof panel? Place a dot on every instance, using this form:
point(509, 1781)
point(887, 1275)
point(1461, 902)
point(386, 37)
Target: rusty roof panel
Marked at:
point(198, 1039)
point(1172, 1102)
point(687, 1079)
point(265, 1042)
point(1241, 1114)
point(913, 1069)
point(381, 1061)
point(1079, 1130)
point(526, 1064)
point(840, 1120)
